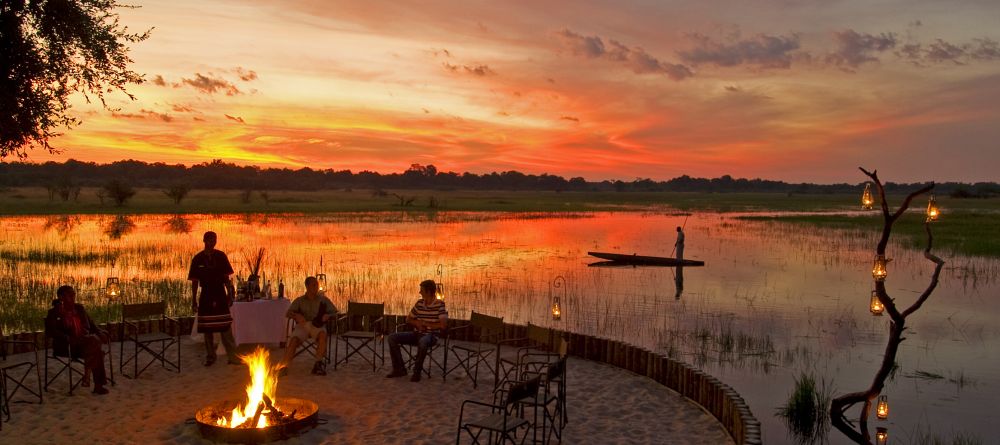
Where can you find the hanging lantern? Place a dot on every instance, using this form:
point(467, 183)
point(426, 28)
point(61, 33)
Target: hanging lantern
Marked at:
point(321, 278)
point(112, 289)
point(556, 310)
point(932, 210)
point(439, 291)
point(867, 201)
point(881, 436)
point(879, 271)
point(876, 305)
point(882, 409)
point(558, 282)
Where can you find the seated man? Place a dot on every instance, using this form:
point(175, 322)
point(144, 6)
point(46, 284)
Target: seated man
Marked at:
point(311, 311)
point(428, 317)
point(70, 327)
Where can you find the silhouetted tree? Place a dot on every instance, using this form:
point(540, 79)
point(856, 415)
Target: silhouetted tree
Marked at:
point(119, 191)
point(177, 192)
point(51, 49)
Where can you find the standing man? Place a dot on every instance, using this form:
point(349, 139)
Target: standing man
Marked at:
point(679, 245)
point(311, 313)
point(210, 268)
point(428, 317)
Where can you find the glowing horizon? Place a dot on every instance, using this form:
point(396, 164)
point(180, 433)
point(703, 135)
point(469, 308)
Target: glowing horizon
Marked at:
point(785, 90)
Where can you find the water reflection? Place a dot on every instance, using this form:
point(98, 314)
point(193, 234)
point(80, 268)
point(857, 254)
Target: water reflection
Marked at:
point(770, 303)
point(119, 226)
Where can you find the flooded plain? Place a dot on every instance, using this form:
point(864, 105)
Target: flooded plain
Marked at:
point(773, 301)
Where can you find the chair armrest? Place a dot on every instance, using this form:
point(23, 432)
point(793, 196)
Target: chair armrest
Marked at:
point(401, 325)
point(32, 344)
point(176, 323)
point(511, 340)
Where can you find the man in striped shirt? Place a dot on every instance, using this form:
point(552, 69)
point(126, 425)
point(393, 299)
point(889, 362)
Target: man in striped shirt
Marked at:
point(428, 317)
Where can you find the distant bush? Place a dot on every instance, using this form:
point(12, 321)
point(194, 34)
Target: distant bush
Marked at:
point(177, 192)
point(119, 191)
point(245, 196)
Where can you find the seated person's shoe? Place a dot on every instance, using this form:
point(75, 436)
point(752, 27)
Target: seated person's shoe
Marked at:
point(100, 390)
point(396, 373)
point(415, 377)
point(209, 361)
point(319, 368)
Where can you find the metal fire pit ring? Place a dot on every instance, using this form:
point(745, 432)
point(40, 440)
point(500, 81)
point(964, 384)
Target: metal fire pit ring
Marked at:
point(306, 417)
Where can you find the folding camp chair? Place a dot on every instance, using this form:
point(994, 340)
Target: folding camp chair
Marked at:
point(488, 334)
point(503, 421)
point(551, 403)
point(410, 353)
point(155, 344)
point(14, 374)
point(71, 363)
point(361, 330)
point(309, 345)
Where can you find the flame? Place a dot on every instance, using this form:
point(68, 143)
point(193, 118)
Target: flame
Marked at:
point(263, 381)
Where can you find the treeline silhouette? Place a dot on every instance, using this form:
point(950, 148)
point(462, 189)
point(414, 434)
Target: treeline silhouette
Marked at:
point(222, 175)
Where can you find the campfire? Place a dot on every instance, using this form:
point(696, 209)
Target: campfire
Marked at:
point(262, 417)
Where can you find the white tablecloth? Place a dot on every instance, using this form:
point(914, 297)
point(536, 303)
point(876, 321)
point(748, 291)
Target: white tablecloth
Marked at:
point(260, 321)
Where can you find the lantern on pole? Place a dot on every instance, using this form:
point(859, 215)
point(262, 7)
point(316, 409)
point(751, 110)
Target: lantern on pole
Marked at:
point(881, 436)
point(932, 210)
point(867, 201)
point(558, 282)
point(876, 305)
point(882, 409)
point(879, 271)
point(320, 276)
point(112, 289)
point(439, 286)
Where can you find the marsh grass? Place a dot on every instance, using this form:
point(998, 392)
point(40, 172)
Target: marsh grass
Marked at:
point(806, 412)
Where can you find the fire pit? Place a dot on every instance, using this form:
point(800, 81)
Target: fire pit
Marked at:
point(263, 417)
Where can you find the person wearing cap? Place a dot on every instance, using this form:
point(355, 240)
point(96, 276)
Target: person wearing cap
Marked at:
point(211, 270)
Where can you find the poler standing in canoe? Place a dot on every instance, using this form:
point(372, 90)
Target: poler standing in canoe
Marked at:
point(211, 269)
point(679, 244)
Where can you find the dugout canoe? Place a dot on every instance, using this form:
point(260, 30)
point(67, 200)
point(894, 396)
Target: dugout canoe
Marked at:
point(640, 259)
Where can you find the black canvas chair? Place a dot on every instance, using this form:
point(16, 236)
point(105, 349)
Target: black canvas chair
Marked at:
point(14, 374)
point(156, 344)
point(539, 346)
point(69, 362)
point(550, 404)
point(487, 334)
point(309, 345)
point(503, 420)
point(361, 330)
point(410, 353)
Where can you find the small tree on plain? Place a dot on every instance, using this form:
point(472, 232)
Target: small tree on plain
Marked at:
point(119, 191)
point(177, 193)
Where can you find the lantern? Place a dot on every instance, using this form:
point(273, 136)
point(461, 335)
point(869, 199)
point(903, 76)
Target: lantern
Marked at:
point(112, 289)
point(876, 305)
point(881, 436)
point(558, 282)
point(932, 210)
point(439, 291)
point(556, 310)
point(879, 271)
point(882, 409)
point(867, 201)
point(321, 278)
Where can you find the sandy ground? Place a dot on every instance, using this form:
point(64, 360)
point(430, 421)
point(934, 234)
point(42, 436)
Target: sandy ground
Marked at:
point(607, 405)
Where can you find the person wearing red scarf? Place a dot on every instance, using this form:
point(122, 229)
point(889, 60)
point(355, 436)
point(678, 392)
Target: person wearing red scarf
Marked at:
point(73, 330)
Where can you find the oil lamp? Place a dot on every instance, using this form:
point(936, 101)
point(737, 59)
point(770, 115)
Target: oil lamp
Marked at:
point(932, 210)
point(112, 289)
point(439, 288)
point(881, 436)
point(879, 271)
point(558, 282)
point(876, 305)
point(882, 409)
point(867, 201)
point(556, 310)
point(320, 276)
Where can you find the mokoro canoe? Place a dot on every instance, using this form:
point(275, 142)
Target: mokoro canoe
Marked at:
point(640, 259)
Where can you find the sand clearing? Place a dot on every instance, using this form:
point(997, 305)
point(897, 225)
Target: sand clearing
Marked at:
point(607, 405)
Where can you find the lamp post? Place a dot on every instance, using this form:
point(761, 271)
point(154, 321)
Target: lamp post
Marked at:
point(320, 276)
point(558, 282)
point(112, 289)
point(439, 292)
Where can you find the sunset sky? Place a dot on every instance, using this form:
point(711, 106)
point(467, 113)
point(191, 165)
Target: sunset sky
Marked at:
point(796, 90)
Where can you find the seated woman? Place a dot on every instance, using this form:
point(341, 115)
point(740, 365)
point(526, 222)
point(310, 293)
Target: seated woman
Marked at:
point(70, 327)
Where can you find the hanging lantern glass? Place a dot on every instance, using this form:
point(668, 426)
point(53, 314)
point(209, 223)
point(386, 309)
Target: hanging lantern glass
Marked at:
point(867, 201)
point(112, 289)
point(321, 278)
point(882, 409)
point(556, 310)
point(879, 271)
point(932, 210)
point(876, 305)
point(881, 436)
point(439, 291)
